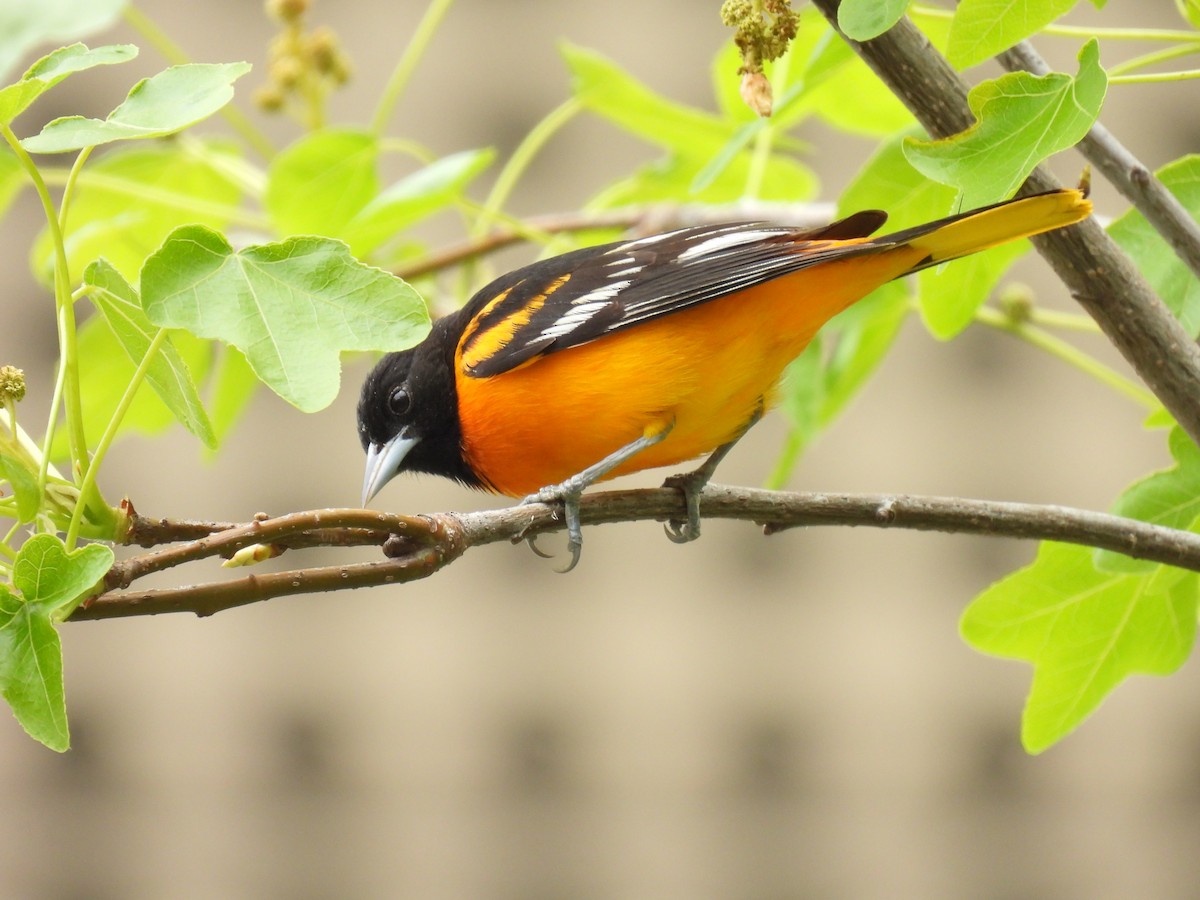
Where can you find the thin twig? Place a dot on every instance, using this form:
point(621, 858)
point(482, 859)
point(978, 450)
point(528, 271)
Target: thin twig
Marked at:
point(1100, 277)
point(1127, 173)
point(427, 543)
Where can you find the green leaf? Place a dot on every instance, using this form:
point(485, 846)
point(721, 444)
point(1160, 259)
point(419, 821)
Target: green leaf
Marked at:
point(1084, 630)
point(1190, 10)
point(12, 179)
point(163, 104)
point(950, 295)
point(52, 583)
point(31, 677)
point(319, 183)
point(610, 92)
point(1021, 120)
point(24, 485)
point(864, 334)
point(128, 201)
point(27, 23)
point(983, 28)
point(1170, 498)
point(168, 374)
point(290, 307)
point(108, 372)
point(50, 70)
point(45, 573)
point(1166, 272)
point(862, 20)
point(412, 198)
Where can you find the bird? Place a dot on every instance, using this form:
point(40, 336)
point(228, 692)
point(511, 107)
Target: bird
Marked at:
point(643, 353)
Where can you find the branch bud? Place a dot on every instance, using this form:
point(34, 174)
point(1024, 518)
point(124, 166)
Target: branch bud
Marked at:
point(756, 93)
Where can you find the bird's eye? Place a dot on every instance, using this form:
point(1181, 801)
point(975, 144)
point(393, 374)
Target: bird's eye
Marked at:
point(399, 402)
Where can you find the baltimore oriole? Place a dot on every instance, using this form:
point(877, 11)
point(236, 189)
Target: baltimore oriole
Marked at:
point(642, 353)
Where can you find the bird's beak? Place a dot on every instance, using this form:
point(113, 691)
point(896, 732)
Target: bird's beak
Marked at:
point(383, 462)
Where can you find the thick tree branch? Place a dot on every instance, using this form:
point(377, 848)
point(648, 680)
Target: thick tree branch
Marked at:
point(1126, 172)
point(1100, 277)
point(420, 545)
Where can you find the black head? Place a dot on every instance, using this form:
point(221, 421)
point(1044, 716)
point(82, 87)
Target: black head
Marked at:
point(408, 414)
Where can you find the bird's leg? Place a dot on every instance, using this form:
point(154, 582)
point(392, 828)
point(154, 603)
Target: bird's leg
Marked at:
point(569, 491)
point(692, 483)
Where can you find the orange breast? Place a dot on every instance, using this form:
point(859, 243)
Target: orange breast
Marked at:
point(704, 369)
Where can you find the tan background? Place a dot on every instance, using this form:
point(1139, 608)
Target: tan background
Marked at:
point(742, 717)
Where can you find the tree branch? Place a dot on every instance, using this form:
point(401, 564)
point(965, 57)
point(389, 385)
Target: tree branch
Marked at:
point(418, 546)
point(1126, 172)
point(1101, 278)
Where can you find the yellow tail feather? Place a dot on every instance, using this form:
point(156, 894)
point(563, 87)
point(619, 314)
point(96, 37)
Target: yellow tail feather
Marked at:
point(981, 229)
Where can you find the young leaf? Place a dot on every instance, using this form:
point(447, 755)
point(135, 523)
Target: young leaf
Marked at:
point(163, 104)
point(1166, 272)
point(53, 68)
point(862, 20)
point(319, 183)
point(1170, 497)
point(24, 486)
point(983, 28)
point(46, 574)
point(412, 198)
point(168, 374)
point(1021, 120)
point(52, 582)
point(31, 678)
point(27, 23)
point(12, 179)
point(290, 307)
point(130, 199)
point(1084, 630)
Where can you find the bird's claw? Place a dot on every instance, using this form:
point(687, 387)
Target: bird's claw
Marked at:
point(569, 498)
point(683, 531)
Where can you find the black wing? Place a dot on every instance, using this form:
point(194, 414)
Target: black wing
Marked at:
point(583, 295)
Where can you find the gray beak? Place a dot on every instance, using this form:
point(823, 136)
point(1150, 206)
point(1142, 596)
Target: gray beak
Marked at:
point(383, 462)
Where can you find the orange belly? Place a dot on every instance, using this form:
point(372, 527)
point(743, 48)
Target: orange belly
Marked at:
point(703, 369)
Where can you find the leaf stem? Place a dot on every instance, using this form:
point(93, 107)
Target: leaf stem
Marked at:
point(407, 63)
point(65, 309)
point(110, 432)
point(175, 55)
point(1150, 59)
point(520, 159)
point(1150, 77)
point(1078, 31)
point(1069, 354)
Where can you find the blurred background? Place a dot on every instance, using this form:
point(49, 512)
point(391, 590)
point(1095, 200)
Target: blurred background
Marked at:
point(741, 717)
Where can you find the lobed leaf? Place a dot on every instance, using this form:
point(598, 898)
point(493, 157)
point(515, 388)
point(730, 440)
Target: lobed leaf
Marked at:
point(1083, 630)
point(157, 106)
point(1021, 120)
point(1170, 498)
point(290, 307)
point(168, 374)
